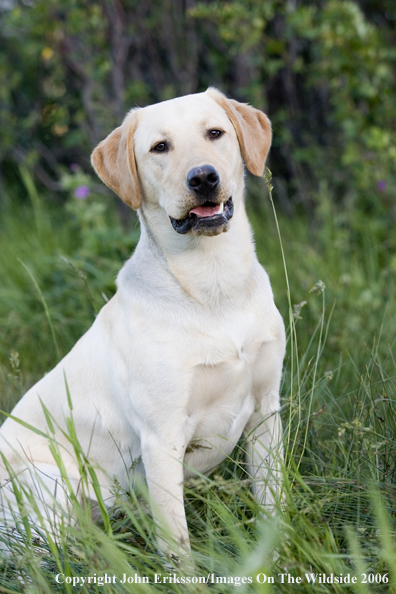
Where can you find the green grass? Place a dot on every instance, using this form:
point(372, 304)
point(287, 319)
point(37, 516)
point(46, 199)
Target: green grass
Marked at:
point(57, 268)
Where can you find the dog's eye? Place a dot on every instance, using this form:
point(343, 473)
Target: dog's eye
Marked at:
point(161, 147)
point(215, 133)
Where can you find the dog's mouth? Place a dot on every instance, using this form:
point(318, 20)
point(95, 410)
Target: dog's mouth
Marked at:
point(206, 219)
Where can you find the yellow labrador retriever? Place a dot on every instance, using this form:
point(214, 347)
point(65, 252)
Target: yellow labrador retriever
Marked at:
point(188, 354)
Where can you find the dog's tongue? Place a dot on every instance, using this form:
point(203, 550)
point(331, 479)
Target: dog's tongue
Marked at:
point(205, 211)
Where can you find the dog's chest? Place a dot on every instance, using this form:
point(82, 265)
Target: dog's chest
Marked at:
point(223, 356)
point(220, 401)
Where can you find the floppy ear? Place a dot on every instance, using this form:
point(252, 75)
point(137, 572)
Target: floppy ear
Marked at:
point(252, 127)
point(114, 162)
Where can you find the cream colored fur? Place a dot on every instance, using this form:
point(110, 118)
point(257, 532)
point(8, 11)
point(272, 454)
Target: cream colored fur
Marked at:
point(189, 351)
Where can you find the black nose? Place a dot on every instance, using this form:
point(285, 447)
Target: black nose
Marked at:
point(203, 180)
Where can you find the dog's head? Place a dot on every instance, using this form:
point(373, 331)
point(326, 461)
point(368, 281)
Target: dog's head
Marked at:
point(182, 159)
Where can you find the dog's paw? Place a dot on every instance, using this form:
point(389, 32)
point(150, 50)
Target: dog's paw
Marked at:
point(172, 562)
point(177, 562)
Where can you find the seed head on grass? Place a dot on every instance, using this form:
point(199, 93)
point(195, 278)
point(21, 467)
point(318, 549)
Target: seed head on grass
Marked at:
point(318, 288)
point(267, 178)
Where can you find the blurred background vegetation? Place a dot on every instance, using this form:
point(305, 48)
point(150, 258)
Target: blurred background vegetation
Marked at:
point(324, 72)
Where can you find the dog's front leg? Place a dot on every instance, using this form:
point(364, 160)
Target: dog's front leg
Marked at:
point(163, 462)
point(264, 452)
point(264, 447)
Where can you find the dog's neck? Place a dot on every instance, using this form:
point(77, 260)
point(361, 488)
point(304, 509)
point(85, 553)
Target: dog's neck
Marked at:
point(211, 270)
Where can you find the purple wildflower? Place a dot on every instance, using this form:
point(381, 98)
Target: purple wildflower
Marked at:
point(381, 185)
point(82, 192)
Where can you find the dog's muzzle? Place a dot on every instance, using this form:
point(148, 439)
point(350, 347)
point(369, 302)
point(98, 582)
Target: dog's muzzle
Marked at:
point(208, 217)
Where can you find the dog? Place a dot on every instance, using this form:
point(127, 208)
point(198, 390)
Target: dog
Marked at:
point(187, 356)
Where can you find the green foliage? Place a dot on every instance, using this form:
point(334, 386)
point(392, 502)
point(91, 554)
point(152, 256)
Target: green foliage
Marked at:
point(240, 24)
point(356, 62)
